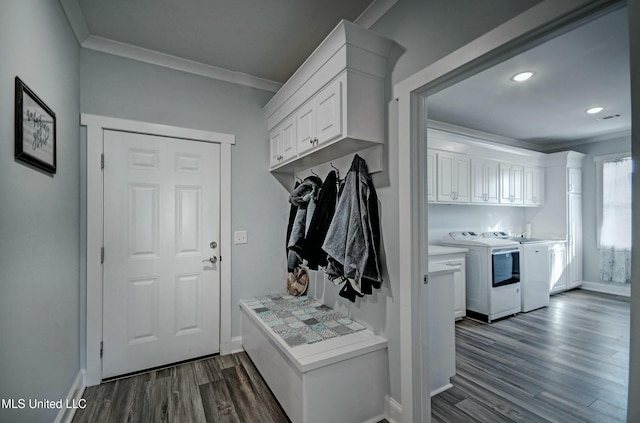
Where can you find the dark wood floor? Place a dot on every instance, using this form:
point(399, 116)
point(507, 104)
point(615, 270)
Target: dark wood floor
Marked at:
point(220, 389)
point(565, 363)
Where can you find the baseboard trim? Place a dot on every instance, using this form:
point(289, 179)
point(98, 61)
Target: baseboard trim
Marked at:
point(236, 344)
point(607, 288)
point(392, 410)
point(441, 389)
point(72, 401)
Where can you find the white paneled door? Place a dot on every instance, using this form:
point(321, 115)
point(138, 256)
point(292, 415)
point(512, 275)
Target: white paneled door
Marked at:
point(161, 297)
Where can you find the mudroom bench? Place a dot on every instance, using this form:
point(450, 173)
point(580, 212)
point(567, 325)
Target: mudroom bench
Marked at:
point(340, 379)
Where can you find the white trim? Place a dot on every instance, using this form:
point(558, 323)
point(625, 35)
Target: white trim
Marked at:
point(483, 136)
point(392, 410)
point(236, 345)
point(374, 12)
point(226, 343)
point(65, 415)
point(76, 19)
point(533, 24)
point(153, 57)
point(95, 127)
point(607, 288)
point(116, 124)
point(599, 163)
point(599, 138)
point(79, 26)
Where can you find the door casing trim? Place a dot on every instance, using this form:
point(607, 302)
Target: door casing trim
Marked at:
point(93, 216)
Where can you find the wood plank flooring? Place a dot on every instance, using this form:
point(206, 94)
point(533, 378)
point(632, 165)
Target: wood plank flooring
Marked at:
point(564, 363)
point(220, 389)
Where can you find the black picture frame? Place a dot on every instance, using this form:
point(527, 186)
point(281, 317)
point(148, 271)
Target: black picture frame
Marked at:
point(35, 130)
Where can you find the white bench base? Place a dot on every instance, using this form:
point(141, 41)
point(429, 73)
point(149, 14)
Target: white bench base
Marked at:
point(342, 379)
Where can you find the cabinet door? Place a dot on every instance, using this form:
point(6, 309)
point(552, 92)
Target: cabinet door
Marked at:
point(533, 186)
point(558, 271)
point(431, 176)
point(329, 113)
point(505, 183)
point(492, 181)
point(511, 184)
point(462, 180)
point(275, 143)
point(478, 181)
point(306, 127)
point(517, 183)
point(484, 181)
point(289, 138)
point(446, 171)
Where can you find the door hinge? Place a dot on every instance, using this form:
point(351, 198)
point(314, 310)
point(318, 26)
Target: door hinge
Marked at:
point(426, 279)
point(101, 348)
point(101, 255)
point(101, 161)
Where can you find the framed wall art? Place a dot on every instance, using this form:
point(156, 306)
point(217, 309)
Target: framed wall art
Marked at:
point(35, 130)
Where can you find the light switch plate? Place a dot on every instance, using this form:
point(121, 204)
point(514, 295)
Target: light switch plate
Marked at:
point(240, 237)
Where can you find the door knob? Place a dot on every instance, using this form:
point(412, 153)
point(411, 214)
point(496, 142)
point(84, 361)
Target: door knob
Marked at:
point(213, 245)
point(212, 259)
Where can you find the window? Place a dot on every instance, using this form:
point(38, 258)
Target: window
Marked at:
point(615, 218)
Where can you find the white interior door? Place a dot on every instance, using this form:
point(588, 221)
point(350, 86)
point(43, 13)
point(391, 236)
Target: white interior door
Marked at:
point(161, 298)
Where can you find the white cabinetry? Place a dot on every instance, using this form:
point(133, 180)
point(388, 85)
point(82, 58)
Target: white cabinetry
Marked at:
point(511, 184)
point(440, 339)
point(453, 178)
point(574, 177)
point(561, 216)
point(453, 258)
point(558, 267)
point(335, 99)
point(320, 119)
point(431, 176)
point(283, 142)
point(484, 181)
point(533, 186)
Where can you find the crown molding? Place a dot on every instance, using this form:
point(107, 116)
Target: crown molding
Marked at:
point(78, 24)
point(374, 12)
point(153, 57)
point(485, 136)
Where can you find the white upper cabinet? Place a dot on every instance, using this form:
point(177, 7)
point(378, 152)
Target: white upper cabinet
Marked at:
point(320, 119)
point(431, 176)
point(335, 99)
point(511, 184)
point(484, 181)
point(533, 186)
point(453, 178)
point(283, 142)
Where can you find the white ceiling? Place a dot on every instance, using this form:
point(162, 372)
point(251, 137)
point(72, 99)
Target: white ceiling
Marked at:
point(261, 43)
point(586, 67)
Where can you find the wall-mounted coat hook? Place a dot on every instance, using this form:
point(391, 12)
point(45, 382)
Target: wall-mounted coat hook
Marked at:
point(314, 174)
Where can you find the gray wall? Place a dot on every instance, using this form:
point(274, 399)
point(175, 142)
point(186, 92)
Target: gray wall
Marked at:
point(123, 88)
point(591, 262)
point(39, 227)
point(633, 414)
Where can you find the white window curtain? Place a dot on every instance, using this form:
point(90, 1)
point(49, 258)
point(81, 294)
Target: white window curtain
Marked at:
point(615, 235)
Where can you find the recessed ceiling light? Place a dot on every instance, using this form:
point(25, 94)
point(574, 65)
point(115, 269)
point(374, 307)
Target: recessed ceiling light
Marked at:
point(522, 76)
point(594, 110)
